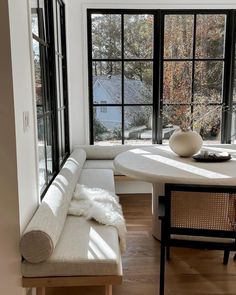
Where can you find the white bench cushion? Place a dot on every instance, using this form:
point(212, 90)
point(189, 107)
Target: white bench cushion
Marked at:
point(100, 164)
point(102, 178)
point(85, 248)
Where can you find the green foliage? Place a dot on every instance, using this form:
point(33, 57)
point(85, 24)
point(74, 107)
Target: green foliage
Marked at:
point(138, 36)
point(102, 133)
point(106, 36)
point(116, 133)
point(139, 117)
point(99, 129)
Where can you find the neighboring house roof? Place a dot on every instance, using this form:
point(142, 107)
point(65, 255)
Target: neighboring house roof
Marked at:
point(112, 86)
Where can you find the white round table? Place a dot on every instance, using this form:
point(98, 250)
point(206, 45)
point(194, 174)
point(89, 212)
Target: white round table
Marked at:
point(158, 165)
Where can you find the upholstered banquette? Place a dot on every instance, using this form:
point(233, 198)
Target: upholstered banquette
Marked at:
point(102, 157)
point(63, 250)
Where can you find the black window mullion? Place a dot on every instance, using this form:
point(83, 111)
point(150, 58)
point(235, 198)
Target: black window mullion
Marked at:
point(193, 65)
point(233, 86)
point(120, 11)
point(161, 71)
point(228, 77)
point(62, 102)
point(120, 104)
point(125, 59)
point(57, 23)
point(122, 80)
point(90, 75)
point(157, 77)
point(192, 59)
point(60, 144)
point(41, 24)
point(53, 90)
point(195, 104)
point(59, 80)
point(65, 78)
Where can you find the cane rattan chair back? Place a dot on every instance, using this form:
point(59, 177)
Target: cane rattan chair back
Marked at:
point(197, 216)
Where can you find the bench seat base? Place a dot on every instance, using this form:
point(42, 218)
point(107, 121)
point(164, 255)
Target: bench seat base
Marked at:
point(71, 281)
point(41, 291)
point(46, 282)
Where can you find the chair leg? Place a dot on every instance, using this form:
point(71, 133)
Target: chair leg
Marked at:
point(167, 253)
point(162, 269)
point(226, 257)
point(40, 291)
point(162, 258)
point(108, 289)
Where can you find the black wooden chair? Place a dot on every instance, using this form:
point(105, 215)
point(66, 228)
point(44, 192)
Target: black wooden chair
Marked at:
point(197, 216)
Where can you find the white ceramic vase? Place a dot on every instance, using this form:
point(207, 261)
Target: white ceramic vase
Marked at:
point(185, 143)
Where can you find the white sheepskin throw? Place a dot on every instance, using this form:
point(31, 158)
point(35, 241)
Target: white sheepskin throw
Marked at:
point(101, 205)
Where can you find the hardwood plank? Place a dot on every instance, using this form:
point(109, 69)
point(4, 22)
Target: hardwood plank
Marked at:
point(189, 272)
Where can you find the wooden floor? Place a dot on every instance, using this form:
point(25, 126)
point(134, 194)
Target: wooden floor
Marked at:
point(198, 272)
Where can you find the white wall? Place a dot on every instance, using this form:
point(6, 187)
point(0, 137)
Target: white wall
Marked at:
point(10, 279)
point(18, 182)
point(77, 50)
point(23, 100)
point(75, 56)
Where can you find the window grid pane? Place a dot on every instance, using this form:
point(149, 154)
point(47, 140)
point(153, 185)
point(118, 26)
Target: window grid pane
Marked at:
point(107, 125)
point(107, 82)
point(124, 81)
point(203, 84)
point(50, 90)
point(138, 124)
point(177, 86)
point(138, 82)
point(106, 36)
point(210, 36)
point(138, 36)
point(192, 65)
point(178, 36)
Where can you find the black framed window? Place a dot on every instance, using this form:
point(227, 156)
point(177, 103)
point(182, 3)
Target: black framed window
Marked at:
point(158, 70)
point(121, 76)
point(50, 140)
point(61, 93)
point(193, 72)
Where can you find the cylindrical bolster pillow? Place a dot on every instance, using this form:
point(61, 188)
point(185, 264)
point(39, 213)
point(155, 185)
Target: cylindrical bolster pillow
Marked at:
point(36, 246)
point(43, 231)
